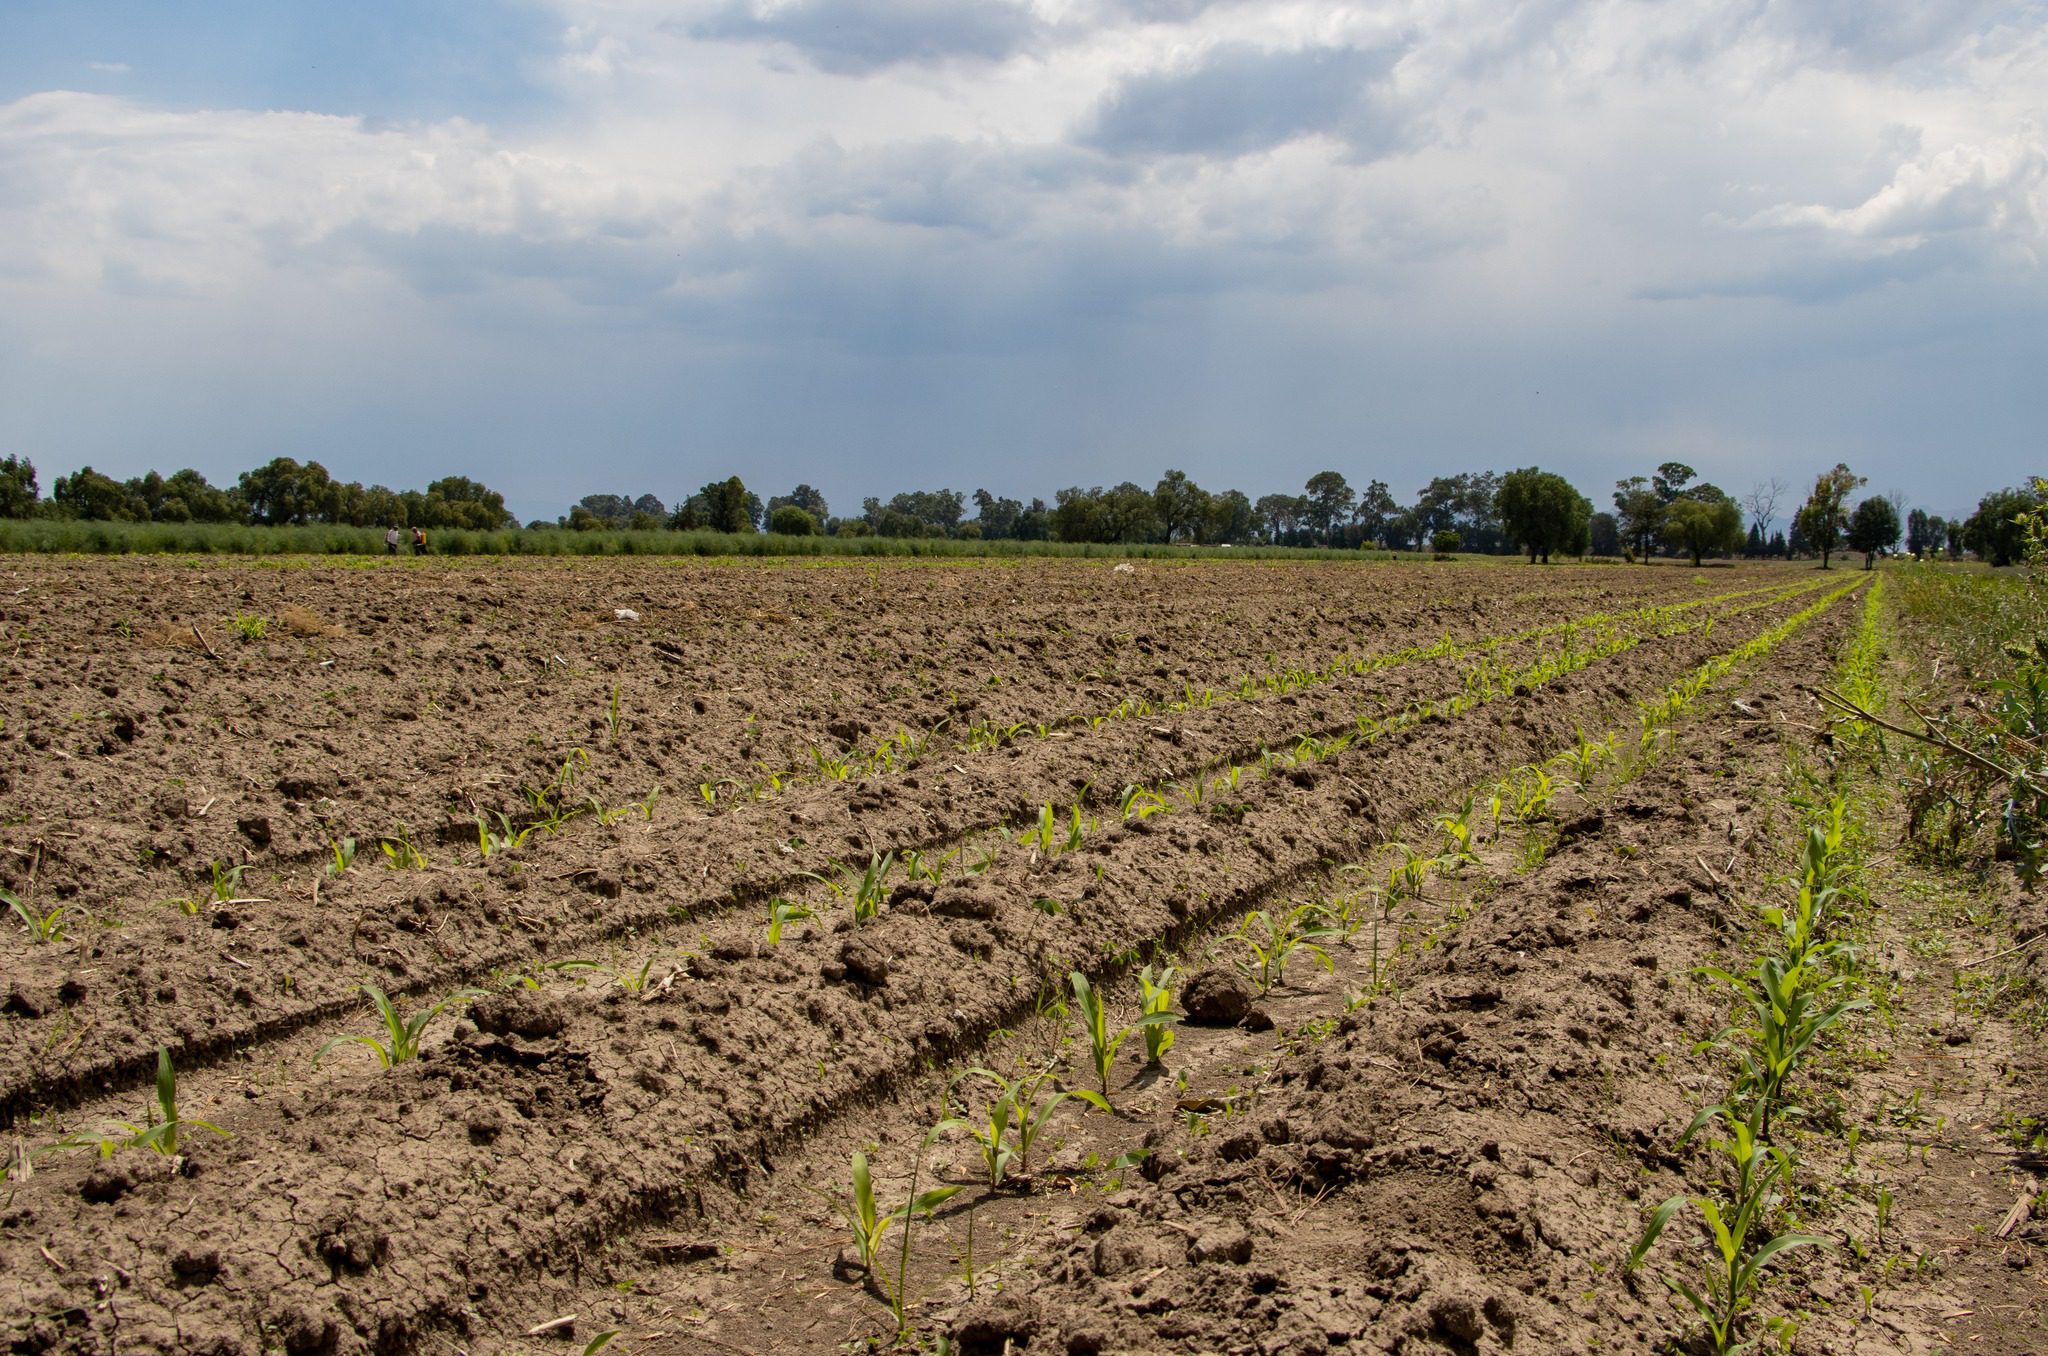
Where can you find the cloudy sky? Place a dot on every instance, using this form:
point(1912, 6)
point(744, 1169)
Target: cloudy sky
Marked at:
point(568, 246)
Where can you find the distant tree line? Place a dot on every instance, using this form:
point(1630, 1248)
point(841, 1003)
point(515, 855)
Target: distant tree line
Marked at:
point(280, 493)
point(1669, 511)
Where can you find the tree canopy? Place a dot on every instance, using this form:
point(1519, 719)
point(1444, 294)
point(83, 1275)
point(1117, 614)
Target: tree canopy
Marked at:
point(1824, 516)
point(1541, 512)
point(1704, 520)
point(1873, 527)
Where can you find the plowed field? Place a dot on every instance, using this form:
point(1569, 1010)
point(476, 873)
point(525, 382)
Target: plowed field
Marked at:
point(572, 800)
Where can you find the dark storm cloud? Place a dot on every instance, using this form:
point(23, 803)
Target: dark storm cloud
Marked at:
point(1242, 100)
point(855, 37)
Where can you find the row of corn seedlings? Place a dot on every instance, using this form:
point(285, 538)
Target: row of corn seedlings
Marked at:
point(1784, 1001)
point(904, 748)
point(1801, 986)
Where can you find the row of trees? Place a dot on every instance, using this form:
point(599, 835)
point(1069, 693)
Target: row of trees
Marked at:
point(280, 493)
point(1531, 510)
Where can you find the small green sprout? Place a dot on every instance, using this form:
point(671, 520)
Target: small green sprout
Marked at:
point(781, 913)
point(1273, 939)
point(163, 1127)
point(1102, 1043)
point(46, 928)
point(342, 855)
point(402, 1034)
point(227, 880)
point(627, 977)
point(1158, 997)
point(400, 854)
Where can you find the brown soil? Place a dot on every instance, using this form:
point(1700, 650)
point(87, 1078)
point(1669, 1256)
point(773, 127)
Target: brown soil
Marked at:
point(1458, 1164)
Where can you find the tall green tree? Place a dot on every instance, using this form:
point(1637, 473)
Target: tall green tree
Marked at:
point(1467, 504)
point(1232, 519)
point(185, 497)
point(1671, 479)
point(1994, 530)
point(1376, 508)
point(1639, 514)
point(1702, 520)
point(1825, 515)
point(916, 513)
point(1541, 513)
point(281, 491)
point(85, 493)
point(459, 502)
point(1873, 527)
point(1330, 501)
point(725, 507)
point(17, 487)
point(1180, 506)
point(1604, 535)
point(1282, 517)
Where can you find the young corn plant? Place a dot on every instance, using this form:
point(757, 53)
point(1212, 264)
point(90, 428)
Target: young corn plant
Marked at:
point(1787, 1006)
point(1408, 874)
point(162, 1125)
point(990, 1135)
point(402, 1034)
point(1102, 1043)
point(830, 768)
point(1043, 837)
point(1741, 1245)
point(557, 803)
point(872, 887)
point(400, 854)
point(226, 881)
point(1532, 789)
point(1138, 803)
point(341, 856)
point(1157, 997)
point(46, 928)
point(504, 838)
point(1583, 759)
point(614, 725)
point(867, 1221)
point(781, 913)
point(1456, 828)
point(1031, 1108)
point(630, 978)
point(919, 867)
point(1274, 938)
point(866, 891)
